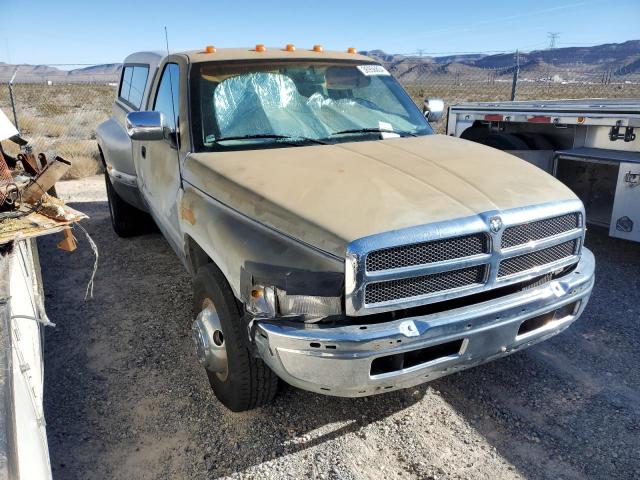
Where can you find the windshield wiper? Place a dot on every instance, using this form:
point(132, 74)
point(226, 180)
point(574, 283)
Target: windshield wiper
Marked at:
point(375, 130)
point(291, 138)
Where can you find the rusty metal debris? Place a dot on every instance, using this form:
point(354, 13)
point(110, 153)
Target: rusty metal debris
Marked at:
point(6, 179)
point(28, 205)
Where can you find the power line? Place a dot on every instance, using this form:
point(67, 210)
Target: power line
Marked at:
point(421, 52)
point(553, 37)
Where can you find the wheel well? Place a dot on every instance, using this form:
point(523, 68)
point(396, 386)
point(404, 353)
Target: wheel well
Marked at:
point(104, 162)
point(196, 256)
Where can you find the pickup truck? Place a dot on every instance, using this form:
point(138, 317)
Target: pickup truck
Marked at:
point(335, 241)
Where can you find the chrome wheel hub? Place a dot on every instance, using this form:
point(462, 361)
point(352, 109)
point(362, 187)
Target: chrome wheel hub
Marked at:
point(209, 339)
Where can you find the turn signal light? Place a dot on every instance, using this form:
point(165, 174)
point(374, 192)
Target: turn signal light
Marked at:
point(290, 47)
point(260, 48)
point(351, 50)
point(317, 48)
point(210, 49)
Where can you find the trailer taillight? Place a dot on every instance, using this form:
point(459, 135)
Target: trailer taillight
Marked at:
point(494, 117)
point(539, 119)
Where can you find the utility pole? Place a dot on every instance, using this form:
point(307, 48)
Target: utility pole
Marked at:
point(516, 73)
point(420, 52)
point(553, 37)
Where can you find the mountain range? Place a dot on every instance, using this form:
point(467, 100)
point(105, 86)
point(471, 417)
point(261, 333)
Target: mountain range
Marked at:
point(614, 59)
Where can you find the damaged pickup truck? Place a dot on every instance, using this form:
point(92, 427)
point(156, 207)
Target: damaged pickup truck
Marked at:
point(334, 240)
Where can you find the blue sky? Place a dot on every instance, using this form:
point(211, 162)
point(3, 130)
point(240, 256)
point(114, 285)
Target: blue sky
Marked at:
point(94, 31)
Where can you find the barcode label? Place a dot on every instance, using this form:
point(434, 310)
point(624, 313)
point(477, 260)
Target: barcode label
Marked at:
point(370, 70)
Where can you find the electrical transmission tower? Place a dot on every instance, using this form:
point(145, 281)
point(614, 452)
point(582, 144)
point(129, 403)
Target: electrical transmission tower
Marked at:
point(553, 36)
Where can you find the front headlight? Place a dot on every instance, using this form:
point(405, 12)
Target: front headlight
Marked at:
point(307, 305)
point(270, 302)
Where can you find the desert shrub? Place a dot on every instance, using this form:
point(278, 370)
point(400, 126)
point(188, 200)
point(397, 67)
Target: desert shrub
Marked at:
point(55, 130)
point(83, 155)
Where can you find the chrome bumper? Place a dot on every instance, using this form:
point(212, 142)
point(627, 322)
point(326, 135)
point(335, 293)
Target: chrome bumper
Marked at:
point(338, 360)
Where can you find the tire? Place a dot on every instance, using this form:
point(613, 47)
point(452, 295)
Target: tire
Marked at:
point(536, 141)
point(505, 141)
point(474, 134)
point(126, 220)
point(248, 382)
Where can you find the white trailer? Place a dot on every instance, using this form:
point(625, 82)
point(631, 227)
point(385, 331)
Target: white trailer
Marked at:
point(591, 145)
point(24, 452)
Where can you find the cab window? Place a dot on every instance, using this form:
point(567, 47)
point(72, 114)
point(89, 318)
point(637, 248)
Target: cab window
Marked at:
point(132, 85)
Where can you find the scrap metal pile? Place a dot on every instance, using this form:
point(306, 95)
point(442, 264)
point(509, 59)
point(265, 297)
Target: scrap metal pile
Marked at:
point(28, 203)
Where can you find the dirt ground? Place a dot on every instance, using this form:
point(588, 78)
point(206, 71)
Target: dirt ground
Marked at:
point(126, 399)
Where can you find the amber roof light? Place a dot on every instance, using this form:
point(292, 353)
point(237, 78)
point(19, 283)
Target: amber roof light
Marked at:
point(260, 48)
point(290, 47)
point(210, 49)
point(317, 48)
point(351, 50)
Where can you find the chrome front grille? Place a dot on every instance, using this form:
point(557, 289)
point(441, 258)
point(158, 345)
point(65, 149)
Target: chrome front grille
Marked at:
point(539, 258)
point(427, 252)
point(424, 285)
point(444, 260)
point(526, 232)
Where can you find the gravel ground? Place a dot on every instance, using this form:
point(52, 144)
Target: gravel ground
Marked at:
point(125, 397)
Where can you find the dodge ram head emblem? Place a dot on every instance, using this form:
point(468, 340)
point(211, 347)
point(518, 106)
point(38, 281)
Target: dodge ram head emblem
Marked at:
point(495, 224)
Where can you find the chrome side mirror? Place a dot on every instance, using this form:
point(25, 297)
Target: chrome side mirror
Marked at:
point(146, 126)
point(433, 109)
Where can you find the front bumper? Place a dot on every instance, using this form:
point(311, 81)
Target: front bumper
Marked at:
point(338, 360)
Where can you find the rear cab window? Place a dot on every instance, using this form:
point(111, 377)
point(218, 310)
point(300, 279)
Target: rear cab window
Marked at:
point(132, 85)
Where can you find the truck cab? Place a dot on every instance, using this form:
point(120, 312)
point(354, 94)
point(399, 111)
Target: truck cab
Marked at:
point(335, 241)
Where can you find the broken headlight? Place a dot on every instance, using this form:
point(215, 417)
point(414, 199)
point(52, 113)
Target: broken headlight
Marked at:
point(272, 301)
point(307, 305)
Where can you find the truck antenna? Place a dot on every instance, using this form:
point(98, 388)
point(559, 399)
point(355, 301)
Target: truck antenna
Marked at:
point(173, 107)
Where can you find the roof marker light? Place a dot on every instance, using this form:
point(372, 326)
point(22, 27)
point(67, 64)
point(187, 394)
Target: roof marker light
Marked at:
point(260, 48)
point(210, 49)
point(290, 47)
point(317, 48)
point(351, 50)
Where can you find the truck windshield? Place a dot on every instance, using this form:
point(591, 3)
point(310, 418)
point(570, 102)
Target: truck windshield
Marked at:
point(269, 104)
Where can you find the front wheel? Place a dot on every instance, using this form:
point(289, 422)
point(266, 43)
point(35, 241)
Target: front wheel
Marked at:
point(239, 379)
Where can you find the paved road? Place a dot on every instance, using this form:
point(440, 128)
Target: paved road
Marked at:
point(126, 399)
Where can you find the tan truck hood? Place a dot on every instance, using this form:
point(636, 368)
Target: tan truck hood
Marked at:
point(329, 195)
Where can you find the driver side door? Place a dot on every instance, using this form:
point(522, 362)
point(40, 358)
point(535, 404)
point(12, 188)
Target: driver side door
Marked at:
point(158, 161)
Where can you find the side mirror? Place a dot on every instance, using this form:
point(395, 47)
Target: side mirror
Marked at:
point(433, 109)
point(146, 126)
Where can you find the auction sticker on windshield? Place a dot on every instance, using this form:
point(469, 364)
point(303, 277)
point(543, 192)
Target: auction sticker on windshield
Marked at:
point(370, 70)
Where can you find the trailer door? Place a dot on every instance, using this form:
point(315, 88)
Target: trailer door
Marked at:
point(608, 183)
point(625, 220)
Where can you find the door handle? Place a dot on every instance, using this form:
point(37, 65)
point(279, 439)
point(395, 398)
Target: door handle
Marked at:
point(143, 151)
